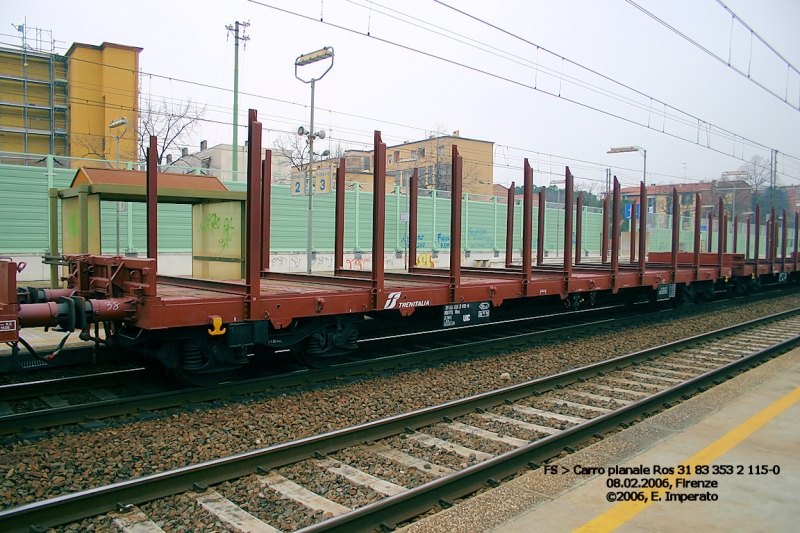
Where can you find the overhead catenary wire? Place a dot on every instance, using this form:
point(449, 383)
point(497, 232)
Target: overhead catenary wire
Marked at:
point(710, 128)
point(746, 75)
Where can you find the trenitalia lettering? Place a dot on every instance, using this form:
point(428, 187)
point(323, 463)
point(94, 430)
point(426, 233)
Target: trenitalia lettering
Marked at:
point(392, 302)
point(418, 303)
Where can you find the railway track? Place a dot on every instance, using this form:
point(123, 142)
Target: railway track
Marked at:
point(394, 469)
point(29, 408)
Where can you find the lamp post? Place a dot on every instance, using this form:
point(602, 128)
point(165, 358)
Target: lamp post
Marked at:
point(634, 149)
point(307, 59)
point(115, 125)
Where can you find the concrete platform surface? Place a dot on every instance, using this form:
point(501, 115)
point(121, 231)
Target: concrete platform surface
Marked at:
point(744, 431)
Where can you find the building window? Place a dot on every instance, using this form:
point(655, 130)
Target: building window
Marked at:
point(687, 198)
point(366, 162)
point(205, 162)
point(441, 150)
point(389, 160)
point(421, 153)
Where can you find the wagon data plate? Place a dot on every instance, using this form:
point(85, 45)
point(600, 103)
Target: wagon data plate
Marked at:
point(466, 314)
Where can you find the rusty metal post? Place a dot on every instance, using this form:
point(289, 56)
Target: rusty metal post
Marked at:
point(253, 217)
point(642, 228)
point(569, 202)
point(735, 233)
point(698, 218)
point(413, 200)
point(527, 224)
point(676, 234)
point(378, 217)
point(710, 230)
point(615, 236)
point(53, 194)
point(338, 238)
point(151, 196)
point(784, 236)
point(266, 208)
point(725, 234)
point(83, 208)
point(720, 235)
point(604, 236)
point(632, 227)
point(757, 236)
point(455, 225)
point(510, 224)
point(540, 227)
point(747, 241)
point(796, 236)
point(578, 226)
point(774, 238)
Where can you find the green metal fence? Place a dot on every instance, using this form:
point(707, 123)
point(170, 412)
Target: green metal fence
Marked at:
point(24, 221)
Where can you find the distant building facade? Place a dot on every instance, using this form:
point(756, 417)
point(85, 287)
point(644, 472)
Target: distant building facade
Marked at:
point(217, 160)
point(737, 196)
point(63, 105)
point(431, 157)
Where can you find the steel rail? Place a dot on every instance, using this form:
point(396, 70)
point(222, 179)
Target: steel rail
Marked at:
point(394, 509)
point(31, 389)
point(73, 414)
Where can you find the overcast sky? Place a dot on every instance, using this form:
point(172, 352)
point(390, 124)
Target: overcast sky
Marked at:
point(606, 75)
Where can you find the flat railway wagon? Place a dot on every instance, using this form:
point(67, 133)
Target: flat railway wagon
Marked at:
point(204, 329)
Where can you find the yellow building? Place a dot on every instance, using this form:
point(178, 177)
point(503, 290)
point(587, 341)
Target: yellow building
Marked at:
point(103, 83)
point(33, 103)
point(63, 105)
point(431, 157)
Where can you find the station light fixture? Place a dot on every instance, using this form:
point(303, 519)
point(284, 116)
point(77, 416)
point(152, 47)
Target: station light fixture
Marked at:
point(639, 149)
point(313, 57)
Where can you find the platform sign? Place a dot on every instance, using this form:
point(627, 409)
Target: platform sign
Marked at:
point(299, 186)
point(323, 184)
point(466, 314)
point(628, 211)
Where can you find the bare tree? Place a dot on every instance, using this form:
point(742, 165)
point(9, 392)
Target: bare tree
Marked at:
point(295, 148)
point(758, 177)
point(173, 124)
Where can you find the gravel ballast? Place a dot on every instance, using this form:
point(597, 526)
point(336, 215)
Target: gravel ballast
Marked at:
point(129, 448)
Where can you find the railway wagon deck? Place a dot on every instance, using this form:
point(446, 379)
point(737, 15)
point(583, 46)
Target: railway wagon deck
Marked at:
point(210, 327)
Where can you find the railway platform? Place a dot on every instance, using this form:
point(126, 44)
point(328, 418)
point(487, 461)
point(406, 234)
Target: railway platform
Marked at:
point(739, 443)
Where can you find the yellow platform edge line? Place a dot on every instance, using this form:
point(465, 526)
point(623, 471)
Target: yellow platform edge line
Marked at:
point(625, 511)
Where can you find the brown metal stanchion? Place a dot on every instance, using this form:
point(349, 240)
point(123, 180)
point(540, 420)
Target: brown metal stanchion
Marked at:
point(253, 255)
point(676, 234)
point(266, 198)
point(527, 224)
point(413, 200)
point(378, 218)
point(615, 237)
point(642, 228)
point(604, 235)
point(455, 226)
point(568, 205)
point(338, 241)
point(632, 227)
point(578, 227)
point(510, 224)
point(540, 227)
point(151, 196)
point(698, 218)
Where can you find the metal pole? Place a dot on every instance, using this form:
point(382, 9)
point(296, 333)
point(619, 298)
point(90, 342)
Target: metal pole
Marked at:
point(235, 155)
point(310, 187)
point(644, 170)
